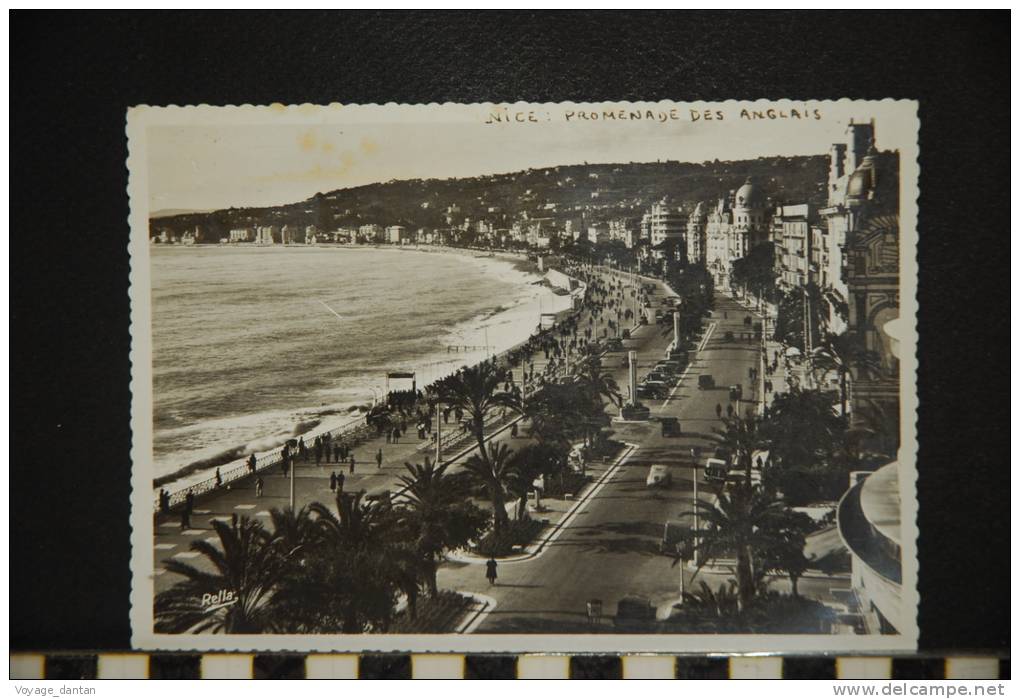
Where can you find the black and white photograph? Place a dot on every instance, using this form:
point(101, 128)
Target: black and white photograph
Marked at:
point(524, 377)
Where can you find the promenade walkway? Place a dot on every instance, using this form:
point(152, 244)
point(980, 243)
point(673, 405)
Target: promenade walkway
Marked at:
point(311, 481)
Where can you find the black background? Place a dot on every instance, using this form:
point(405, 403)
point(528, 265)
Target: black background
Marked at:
point(74, 75)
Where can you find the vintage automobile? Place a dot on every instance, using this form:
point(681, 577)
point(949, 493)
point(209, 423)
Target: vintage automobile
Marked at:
point(653, 389)
point(716, 470)
point(705, 381)
point(659, 476)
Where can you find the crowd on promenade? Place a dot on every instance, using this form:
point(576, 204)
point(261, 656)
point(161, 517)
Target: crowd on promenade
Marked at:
point(522, 371)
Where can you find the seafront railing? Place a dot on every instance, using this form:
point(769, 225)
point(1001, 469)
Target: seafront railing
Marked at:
point(353, 433)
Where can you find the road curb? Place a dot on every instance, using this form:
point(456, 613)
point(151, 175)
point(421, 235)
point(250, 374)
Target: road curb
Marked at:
point(538, 548)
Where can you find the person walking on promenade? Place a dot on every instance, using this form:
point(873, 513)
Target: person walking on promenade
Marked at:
point(729, 410)
point(490, 570)
point(718, 410)
point(252, 463)
point(318, 451)
point(189, 506)
point(259, 485)
point(513, 431)
point(302, 449)
point(378, 458)
point(336, 452)
point(352, 463)
point(219, 478)
point(340, 483)
point(332, 481)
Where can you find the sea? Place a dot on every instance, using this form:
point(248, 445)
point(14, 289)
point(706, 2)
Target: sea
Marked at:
point(253, 346)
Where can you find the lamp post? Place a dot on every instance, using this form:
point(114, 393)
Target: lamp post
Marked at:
point(694, 480)
point(439, 434)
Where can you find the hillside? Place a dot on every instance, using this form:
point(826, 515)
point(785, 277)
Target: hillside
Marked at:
point(595, 192)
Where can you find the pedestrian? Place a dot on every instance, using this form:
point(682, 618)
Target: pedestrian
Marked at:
point(718, 410)
point(189, 506)
point(336, 453)
point(332, 481)
point(378, 458)
point(252, 463)
point(352, 463)
point(490, 570)
point(259, 485)
point(219, 479)
point(302, 449)
point(513, 431)
point(318, 451)
point(729, 410)
point(340, 483)
point(164, 501)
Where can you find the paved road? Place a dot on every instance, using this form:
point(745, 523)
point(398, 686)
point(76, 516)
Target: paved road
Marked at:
point(611, 548)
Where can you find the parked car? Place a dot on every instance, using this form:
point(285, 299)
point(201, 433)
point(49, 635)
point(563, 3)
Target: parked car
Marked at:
point(659, 376)
point(613, 344)
point(653, 389)
point(634, 612)
point(716, 470)
point(670, 369)
point(659, 476)
point(736, 392)
point(705, 381)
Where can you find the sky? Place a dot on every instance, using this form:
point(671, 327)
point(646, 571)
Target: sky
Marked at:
point(215, 158)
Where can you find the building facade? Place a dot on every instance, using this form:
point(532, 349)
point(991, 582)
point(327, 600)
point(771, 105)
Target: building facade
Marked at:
point(791, 234)
point(696, 234)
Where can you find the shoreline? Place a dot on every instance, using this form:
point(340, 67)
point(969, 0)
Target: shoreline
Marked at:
point(351, 415)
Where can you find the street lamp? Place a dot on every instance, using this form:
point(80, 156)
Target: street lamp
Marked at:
point(694, 480)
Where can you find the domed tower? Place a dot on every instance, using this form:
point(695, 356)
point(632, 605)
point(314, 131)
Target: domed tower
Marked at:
point(861, 185)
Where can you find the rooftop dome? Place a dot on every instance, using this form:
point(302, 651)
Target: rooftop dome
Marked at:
point(748, 196)
point(862, 180)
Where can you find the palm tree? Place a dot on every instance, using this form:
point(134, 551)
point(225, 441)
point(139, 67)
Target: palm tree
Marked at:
point(527, 464)
point(741, 437)
point(477, 390)
point(246, 565)
point(350, 583)
point(293, 533)
point(493, 469)
point(880, 425)
point(599, 384)
point(737, 524)
point(843, 354)
point(436, 516)
point(559, 412)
